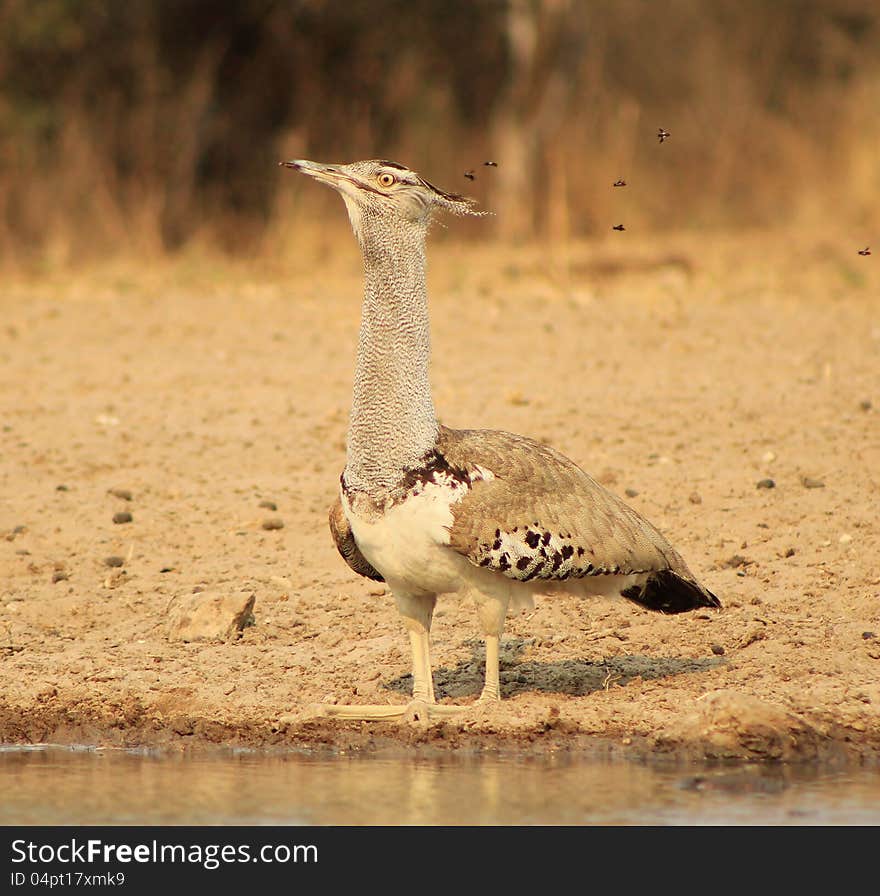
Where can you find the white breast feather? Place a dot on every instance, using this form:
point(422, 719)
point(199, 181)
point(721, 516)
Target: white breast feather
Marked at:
point(408, 543)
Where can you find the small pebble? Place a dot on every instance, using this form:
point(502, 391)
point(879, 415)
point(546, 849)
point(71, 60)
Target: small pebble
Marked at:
point(735, 561)
point(768, 457)
point(765, 483)
point(809, 482)
point(865, 405)
point(846, 538)
point(273, 522)
point(114, 561)
point(631, 493)
point(123, 493)
point(59, 576)
point(867, 636)
point(123, 516)
point(269, 505)
point(61, 488)
point(718, 650)
point(106, 420)
point(695, 498)
point(790, 552)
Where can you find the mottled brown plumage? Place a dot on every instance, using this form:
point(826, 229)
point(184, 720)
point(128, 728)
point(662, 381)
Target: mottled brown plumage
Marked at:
point(536, 489)
point(347, 546)
point(533, 515)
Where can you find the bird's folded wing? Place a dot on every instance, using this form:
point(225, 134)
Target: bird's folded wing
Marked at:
point(534, 514)
point(347, 546)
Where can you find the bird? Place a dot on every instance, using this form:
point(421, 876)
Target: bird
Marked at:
point(662, 135)
point(491, 164)
point(619, 183)
point(618, 227)
point(470, 174)
point(482, 514)
point(865, 251)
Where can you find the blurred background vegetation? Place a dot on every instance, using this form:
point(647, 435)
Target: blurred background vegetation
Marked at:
point(148, 126)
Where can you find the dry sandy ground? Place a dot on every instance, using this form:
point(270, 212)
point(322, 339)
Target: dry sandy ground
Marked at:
point(684, 372)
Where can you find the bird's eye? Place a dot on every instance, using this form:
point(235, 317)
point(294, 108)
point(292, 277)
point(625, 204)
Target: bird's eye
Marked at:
point(386, 179)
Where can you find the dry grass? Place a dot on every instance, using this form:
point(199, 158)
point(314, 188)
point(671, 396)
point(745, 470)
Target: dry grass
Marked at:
point(143, 145)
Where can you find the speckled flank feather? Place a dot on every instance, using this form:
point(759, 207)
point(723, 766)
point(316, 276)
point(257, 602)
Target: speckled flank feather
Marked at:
point(542, 517)
point(527, 512)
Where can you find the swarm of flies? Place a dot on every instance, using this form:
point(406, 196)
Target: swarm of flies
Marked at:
point(662, 134)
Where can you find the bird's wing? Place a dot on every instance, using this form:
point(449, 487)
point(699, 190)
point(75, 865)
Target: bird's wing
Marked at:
point(531, 513)
point(347, 546)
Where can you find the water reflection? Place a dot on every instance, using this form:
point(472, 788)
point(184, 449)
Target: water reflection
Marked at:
point(62, 786)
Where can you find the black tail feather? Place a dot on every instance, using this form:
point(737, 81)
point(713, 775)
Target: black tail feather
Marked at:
point(665, 591)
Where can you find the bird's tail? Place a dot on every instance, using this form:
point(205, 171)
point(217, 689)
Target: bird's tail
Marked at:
point(666, 591)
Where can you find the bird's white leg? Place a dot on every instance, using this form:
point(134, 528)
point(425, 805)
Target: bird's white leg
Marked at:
point(417, 612)
point(492, 686)
point(492, 611)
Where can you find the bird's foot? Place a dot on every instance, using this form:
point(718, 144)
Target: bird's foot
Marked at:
point(419, 711)
point(364, 712)
point(414, 711)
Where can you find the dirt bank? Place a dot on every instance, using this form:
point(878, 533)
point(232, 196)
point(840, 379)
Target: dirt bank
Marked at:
point(682, 373)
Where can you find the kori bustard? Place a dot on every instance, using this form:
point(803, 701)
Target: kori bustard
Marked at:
point(430, 510)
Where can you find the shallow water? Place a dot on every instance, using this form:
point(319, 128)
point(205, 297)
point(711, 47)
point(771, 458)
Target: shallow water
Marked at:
point(61, 786)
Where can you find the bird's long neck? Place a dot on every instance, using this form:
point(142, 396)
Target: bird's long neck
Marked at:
point(393, 424)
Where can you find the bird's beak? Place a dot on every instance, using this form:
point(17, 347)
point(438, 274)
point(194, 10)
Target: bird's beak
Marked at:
point(328, 174)
point(333, 175)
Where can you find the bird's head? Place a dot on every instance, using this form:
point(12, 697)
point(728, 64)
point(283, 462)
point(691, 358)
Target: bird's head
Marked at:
point(379, 191)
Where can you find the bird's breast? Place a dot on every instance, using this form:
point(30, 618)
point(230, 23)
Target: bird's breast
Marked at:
point(405, 536)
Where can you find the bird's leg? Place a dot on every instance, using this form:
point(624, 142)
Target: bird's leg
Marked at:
point(492, 610)
point(492, 686)
point(417, 612)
